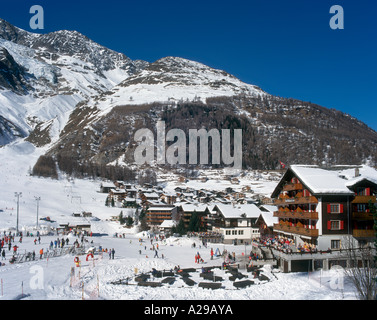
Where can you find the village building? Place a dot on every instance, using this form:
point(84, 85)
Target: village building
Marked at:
point(186, 211)
point(118, 195)
point(267, 220)
point(166, 226)
point(155, 215)
point(237, 224)
point(169, 198)
point(105, 187)
point(324, 207)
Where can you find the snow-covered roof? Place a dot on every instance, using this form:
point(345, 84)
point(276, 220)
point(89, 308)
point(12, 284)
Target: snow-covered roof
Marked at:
point(160, 208)
point(118, 191)
point(168, 224)
point(230, 211)
point(251, 210)
point(270, 208)
point(365, 173)
point(269, 218)
point(321, 181)
point(190, 207)
point(151, 195)
point(336, 180)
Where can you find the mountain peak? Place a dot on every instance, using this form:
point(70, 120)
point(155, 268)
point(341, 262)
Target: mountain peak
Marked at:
point(174, 78)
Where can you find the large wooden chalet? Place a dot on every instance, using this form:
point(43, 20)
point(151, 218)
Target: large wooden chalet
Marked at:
point(325, 206)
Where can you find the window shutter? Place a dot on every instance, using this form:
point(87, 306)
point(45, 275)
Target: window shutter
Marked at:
point(341, 208)
point(367, 191)
point(329, 225)
point(328, 208)
point(341, 225)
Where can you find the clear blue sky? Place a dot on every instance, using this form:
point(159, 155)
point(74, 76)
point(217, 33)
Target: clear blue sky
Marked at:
point(285, 47)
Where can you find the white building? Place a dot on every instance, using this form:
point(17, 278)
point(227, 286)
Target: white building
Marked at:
point(237, 224)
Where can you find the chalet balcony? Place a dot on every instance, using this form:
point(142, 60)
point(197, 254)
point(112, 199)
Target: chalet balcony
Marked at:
point(296, 200)
point(362, 216)
point(364, 199)
point(296, 214)
point(358, 233)
point(293, 187)
point(296, 230)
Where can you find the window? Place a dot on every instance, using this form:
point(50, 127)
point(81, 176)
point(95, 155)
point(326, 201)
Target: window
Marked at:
point(363, 191)
point(335, 225)
point(335, 208)
point(227, 232)
point(335, 244)
point(240, 232)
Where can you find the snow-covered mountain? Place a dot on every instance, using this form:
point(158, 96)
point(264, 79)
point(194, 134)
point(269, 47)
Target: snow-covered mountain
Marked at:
point(84, 102)
point(43, 77)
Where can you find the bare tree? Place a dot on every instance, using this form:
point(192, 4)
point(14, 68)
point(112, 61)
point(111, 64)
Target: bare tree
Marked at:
point(362, 270)
point(363, 266)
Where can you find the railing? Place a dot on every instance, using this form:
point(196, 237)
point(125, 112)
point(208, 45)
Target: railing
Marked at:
point(298, 200)
point(296, 230)
point(296, 214)
point(357, 233)
point(57, 252)
point(362, 215)
point(364, 199)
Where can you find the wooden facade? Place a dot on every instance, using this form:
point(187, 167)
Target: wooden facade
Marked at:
point(323, 216)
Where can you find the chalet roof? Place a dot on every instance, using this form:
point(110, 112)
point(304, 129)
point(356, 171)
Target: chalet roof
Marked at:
point(161, 208)
point(321, 181)
point(316, 179)
point(168, 224)
point(230, 211)
point(251, 210)
point(365, 173)
point(191, 207)
point(151, 195)
point(269, 218)
point(107, 185)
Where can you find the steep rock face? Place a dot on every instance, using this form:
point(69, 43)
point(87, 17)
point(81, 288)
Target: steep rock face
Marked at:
point(12, 75)
point(9, 131)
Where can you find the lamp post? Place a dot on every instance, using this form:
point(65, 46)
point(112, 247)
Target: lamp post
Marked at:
point(18, 195)
point(37, 199)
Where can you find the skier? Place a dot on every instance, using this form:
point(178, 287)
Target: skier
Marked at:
point(3, 255)
point(40, 254)
point(155, 254)
point(211, 254)
point(112, 253)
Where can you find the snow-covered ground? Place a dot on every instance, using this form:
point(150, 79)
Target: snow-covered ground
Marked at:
point(52, 279)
